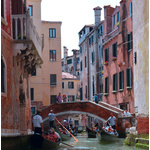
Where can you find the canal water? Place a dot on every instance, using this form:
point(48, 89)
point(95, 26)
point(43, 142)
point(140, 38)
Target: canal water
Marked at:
point(85, 143)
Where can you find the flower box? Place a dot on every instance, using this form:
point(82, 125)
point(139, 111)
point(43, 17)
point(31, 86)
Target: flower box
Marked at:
point(105, 94)
point(106, 63)
point(114, 58)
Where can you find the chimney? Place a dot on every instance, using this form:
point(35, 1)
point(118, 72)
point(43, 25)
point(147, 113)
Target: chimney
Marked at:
point(97, 11)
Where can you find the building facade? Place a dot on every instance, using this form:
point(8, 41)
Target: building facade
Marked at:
point(118, 56)
point(20, 55)
point(141, 63)
point(71, 86)
point(47, 81)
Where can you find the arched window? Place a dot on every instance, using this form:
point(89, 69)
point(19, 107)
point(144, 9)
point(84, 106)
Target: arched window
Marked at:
point(3, 76)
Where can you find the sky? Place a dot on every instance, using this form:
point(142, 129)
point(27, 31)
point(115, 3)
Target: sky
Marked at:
point(73, 14)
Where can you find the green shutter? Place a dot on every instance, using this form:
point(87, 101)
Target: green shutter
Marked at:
point(85, 61)
point(108, 54)
point(128, 42)
point(122, 80)
point(128, 78)
point(131, 40)
point(73, 98)
point(72, 85)
point(63, 85)
point(114, 82)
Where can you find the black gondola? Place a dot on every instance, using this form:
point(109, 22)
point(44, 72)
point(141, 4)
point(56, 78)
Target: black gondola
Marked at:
point(38, 141)
point(108, 136)
point(91, 133)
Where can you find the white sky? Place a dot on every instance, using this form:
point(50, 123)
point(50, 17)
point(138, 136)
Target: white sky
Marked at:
point(73, 14)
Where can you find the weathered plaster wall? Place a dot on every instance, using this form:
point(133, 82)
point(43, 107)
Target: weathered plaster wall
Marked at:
point(141, 47)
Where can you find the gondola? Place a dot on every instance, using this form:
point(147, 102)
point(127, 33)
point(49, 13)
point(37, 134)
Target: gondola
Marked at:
point(107, 135)
point(39, 141)
point(64, 137)
point(91, 133)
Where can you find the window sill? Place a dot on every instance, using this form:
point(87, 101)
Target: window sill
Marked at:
point(52, 37)
point(129, 50)
point(114, 92)
point(114, 58)
point(105, 94)
point(52, 60)
point(3, 94)
point(53, 85)
point(128, 88)
point(120, 90)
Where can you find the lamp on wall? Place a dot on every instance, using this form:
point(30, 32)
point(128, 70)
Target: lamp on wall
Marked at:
point(135, 57)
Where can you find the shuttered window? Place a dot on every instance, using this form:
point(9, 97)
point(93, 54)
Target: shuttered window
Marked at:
point(63, 85)
point(131, 9)
point(114, 48)
point(106, 85)
point(81, 66)
point(93, 57)
point(53, 79)
point(70, 85)
point(129, 42)
point(121, 80)
point(32, 94)
point(85, 62)
point(107, 55)
point(115, 82)
point(129, 78)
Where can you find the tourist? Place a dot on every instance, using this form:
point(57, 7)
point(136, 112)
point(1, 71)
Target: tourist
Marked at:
point(38, 123)
point(96, 98)
point(51, 116)
point(112, 120)
point(65, 98)
point(126, 113)
point(70, 123)
point(59, 98)
point(95, 122)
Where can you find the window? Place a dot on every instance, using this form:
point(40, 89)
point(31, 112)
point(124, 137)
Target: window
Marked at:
point(115, 82)
point(114, 48)
point(3, 76)
point(80, 49)
point(53, 79)
point(114, 19)
point(121, 80)
point(131, 9)
point(52, 55)
point(118, 16)
point(93, 86)
point(63, 85)
point(76, 122)
point(71, 98)
point(2, 8)
point(107, 55)
point(42, 36)
point(53, 99)
point(129, 42)
point(33, 110)
point(70, 85)
point(81, 66)
point(85, 62)
point(32, 94)
point(31, 10)
point(86, 91)
point(34, 73)
point(129, 78)
point(106, 85)
point(52, 33)
point(69, 61)
point(93, 57)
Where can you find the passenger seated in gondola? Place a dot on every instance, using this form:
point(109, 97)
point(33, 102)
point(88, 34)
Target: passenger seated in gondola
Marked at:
point(110, 129)
point(52, 136)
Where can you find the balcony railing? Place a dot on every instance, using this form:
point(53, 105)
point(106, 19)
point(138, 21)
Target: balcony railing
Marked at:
point(24, 29)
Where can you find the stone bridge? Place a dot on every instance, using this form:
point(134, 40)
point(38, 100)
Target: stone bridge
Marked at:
point(101, 111)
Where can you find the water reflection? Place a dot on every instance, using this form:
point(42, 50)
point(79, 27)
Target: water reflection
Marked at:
point(92, 144)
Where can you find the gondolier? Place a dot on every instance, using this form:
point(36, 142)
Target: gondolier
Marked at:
point(38, 123)
point(112, 120)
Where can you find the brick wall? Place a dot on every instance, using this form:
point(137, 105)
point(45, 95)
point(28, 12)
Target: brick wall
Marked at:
point(143, 125)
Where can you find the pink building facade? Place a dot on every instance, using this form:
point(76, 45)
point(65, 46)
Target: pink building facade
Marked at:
point(118, 56)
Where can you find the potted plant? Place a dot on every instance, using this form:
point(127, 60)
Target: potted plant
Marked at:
point(114, 58)
point(106, 63)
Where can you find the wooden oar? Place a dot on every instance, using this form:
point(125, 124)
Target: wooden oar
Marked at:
point(83, 133)
point(66, 129)
point(66, 144)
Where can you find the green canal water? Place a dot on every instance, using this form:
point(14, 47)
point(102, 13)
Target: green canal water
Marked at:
point(85, 143)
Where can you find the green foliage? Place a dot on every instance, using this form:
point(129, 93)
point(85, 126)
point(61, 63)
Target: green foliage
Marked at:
point(143, 146)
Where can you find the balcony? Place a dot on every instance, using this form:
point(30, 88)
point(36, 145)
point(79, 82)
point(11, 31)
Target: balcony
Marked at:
point(27, 42)
point(25, 31)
